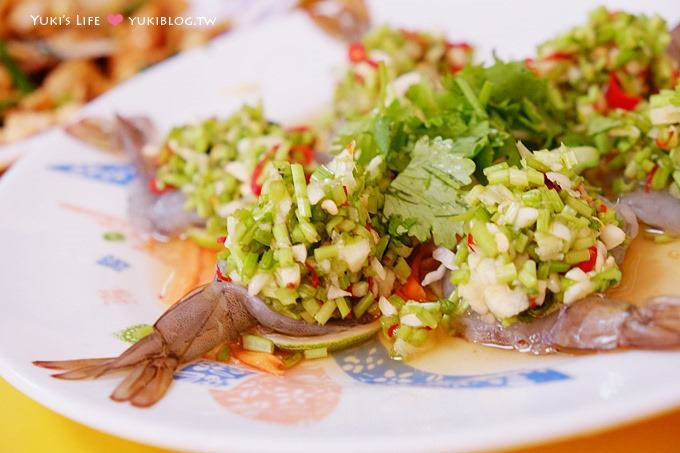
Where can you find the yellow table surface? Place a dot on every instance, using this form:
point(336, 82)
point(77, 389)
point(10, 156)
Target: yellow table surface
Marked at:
point(26, 426)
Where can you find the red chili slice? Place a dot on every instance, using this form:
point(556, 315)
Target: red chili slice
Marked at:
point(153, 187)
point(650, 176)
point(356, 52)
point(303, 154)
point(617, 98)
point(220, 276)
point(372, 63)
point(667, 144)
point(454, 68)
point(300, 128)
point(412, 290)
point(471, 242)
point(458, 45)
point(221, 239)
point(550, 184)
point(315, 276)
point(559, 56)
point(303, 129)
point(391, 329)
point(255, 186)
point(346, 202)
point(411, 35)
point(589, 264)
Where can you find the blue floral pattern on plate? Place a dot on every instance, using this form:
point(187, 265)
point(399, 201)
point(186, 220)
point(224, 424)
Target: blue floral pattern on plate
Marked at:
point(117, 174)
point(213, 374)
point(371, 364)
point(114, 263)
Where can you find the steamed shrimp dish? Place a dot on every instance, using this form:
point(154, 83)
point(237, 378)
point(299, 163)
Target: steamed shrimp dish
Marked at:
point(494, 202)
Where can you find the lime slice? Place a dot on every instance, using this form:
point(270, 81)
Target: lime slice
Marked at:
point(331, 341)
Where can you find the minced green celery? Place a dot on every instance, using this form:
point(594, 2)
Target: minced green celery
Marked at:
point(223, 354)
point(585, 50)
point(459, 276)
point(343, 307)
point(325, 312)
point(326, 252)
point(518, 258)
point(528, 275)
point(577, 256)
point(483, 239)
point(257, 343)
point(381, 246)
point(363, 305)
point(402, 269)
point(317, 353)
point(651, 161)
point(426, 54)
point(506, 273)
point(212, 163)
point(584, 243)
point(312, 306)
point(292, 359)
point(323, 260)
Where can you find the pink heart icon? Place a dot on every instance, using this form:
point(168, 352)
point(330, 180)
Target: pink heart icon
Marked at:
point(114, 19)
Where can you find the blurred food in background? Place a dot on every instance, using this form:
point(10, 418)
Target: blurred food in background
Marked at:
point(48, 71)
point(347, 20)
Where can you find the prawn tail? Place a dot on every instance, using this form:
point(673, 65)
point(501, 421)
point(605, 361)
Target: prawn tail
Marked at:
point(78, 369)
point(147, 381)
point(148, 347)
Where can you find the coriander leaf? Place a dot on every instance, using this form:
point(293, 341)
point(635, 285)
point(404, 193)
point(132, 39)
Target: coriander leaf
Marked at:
point(427, 193)
point(472, 144)
point(515, 82)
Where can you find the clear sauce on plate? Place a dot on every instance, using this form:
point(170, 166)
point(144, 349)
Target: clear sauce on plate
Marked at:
point(449, 355)
point(650, 269)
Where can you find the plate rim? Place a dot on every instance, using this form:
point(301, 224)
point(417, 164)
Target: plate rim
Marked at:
point(604, 416)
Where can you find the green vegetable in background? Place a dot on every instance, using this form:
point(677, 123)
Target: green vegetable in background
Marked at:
point(19, 77)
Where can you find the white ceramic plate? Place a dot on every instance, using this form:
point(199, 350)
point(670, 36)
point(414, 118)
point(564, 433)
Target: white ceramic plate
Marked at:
point(65, 289)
